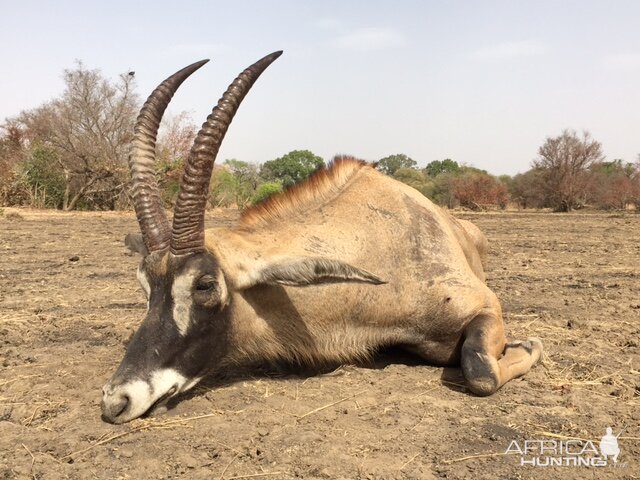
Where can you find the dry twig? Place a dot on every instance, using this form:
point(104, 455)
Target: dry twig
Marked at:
point(33, 459)
point(480, 455)
point(409, 461)
point(254, 475)
point(319, 409)
point(227, 467)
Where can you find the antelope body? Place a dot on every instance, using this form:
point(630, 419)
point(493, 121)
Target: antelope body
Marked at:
point(329, 271)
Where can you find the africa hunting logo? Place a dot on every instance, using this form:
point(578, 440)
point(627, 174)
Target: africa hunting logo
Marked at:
point(569, 453)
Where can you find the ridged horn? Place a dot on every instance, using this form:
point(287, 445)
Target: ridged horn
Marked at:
point(146, 194)
point(187, 234)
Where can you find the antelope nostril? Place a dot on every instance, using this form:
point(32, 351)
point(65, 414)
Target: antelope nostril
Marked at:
point(121, 406)
point(113, 406)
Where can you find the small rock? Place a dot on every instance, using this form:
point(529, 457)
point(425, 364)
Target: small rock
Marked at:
point(75, 258)
point(126, 452)
point(190, 462)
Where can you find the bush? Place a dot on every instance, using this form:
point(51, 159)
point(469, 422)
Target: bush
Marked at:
point(43, 178)
point(443, 190)
point(265, 190)
point(613, 185)
point(416, 179)
point(477, 190)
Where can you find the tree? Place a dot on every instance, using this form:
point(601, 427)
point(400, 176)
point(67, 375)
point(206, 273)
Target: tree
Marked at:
point(528, 189)
point(437, 167)
point(476, 190)
point(43, 180)
point(265, 190)
point(389, 165)
point(443, 189)
point(235, 182)
point(172, 149)
point(11, 156)
point(175, 138)
point(90, 128)
point(291, 168)
point(614, 184)
point(564, 163)
point(416, 179)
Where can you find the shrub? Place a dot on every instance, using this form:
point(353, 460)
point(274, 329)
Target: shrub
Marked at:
point(43, 178)
point(476, 190)
point(265, 190)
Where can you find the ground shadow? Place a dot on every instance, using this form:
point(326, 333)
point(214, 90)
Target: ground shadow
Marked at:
point(451, 377)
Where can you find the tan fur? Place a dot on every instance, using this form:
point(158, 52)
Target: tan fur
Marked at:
point(318, 188)
point(350, 212)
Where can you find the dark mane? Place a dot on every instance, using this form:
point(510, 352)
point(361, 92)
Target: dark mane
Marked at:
point(319, 186)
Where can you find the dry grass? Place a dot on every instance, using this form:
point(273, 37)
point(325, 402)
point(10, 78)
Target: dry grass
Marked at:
point(147, 424)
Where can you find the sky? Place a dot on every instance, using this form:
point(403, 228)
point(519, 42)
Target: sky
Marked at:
point(481, 82)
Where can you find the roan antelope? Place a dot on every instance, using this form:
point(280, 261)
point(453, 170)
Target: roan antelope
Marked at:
point(329, 271)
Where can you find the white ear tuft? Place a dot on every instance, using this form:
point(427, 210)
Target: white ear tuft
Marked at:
point(304, 271)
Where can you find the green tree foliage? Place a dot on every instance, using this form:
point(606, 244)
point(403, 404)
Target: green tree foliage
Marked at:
point(291, 168)
point(222, 189)
point(265, 190)
point(506, 180)
point(528, 189)
point(234, 183)
point(416, 179)
point(43, 178)
point(564, 162)
point(443, 190)
point(389, 165)
point(438, 167)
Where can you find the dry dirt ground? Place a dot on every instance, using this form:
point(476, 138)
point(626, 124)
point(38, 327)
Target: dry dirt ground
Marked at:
point(69, 301)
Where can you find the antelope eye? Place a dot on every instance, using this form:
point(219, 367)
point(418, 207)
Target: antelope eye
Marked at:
point(206, 282)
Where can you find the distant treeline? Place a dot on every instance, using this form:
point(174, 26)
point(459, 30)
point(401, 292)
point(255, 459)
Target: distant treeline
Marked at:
point(71, 153)
point(570, 172)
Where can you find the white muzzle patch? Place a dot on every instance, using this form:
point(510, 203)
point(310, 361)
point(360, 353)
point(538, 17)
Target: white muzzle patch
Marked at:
point(130, 400)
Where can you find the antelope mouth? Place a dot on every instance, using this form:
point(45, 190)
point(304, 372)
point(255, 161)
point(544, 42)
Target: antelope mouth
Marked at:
point(160, 405)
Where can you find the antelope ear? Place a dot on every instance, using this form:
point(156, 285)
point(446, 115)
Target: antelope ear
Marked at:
point(304, 271)
point(135, 243)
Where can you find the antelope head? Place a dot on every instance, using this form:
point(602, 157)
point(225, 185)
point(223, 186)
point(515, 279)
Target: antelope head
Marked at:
point(183, 282)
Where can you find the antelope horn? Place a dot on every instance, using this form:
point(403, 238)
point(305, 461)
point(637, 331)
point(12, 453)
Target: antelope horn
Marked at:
point(146, 194)
point(187, 235)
